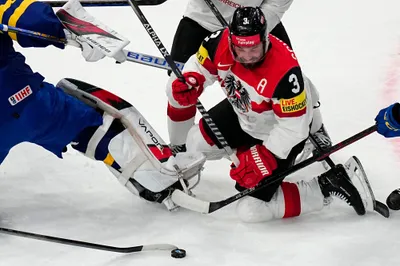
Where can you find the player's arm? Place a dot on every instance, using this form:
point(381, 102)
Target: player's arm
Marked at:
point(31, 15)
point(203, 62)
point(199, 72)
point(274, 10)
point(292, 113)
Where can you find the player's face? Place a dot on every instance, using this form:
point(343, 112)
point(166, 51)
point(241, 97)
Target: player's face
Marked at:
point(249, 55)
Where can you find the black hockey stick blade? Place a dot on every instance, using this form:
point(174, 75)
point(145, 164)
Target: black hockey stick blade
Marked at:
point(382, 209)
point(89, 245)
point(91, 3)
point(195, 204)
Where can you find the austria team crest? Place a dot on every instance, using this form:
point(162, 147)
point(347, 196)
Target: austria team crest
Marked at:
point(237, 94)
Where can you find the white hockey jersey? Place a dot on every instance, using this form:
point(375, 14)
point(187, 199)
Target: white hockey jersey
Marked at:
point(202, 14)
point(274, 101)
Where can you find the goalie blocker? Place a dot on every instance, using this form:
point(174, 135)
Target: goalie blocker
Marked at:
point(131, 149)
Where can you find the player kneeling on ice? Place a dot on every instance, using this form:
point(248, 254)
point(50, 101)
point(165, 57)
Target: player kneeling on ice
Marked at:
point(38, 112)
point(266, 117)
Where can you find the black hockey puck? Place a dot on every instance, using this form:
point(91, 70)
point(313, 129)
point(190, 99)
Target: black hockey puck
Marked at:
point(393, 200)
point(178, 253)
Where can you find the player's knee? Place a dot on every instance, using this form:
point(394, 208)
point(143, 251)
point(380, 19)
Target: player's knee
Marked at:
point(252, 210)
point(198, 140)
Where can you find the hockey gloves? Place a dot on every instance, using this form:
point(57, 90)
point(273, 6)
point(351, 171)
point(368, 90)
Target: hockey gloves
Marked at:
point(90, 53)
point(186, 94)
point(256, 164)
point(388, 121)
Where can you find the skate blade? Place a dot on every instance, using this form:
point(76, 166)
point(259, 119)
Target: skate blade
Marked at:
point(360, 180)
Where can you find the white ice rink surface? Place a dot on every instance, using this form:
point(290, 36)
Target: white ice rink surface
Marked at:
point(350, 50)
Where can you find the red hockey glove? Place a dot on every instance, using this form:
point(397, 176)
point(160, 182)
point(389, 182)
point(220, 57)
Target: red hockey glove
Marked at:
point(187, 93)
point(256, 164)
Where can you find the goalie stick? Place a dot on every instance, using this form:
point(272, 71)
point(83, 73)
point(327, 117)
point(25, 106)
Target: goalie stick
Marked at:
point(135, 57)
point(198, 205)
point(89, 245)
point(92, 3)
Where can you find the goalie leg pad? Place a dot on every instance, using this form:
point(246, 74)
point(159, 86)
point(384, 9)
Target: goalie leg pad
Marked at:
point(130, 145)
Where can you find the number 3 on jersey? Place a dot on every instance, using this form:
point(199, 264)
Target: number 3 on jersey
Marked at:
point(294, 80)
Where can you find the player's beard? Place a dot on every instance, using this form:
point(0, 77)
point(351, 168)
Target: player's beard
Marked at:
point(253, 63)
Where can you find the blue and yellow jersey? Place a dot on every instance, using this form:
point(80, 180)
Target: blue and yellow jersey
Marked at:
point(30, 15)
point(18, 83)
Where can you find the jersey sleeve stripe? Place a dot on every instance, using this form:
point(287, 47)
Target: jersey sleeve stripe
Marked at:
point(19, 11)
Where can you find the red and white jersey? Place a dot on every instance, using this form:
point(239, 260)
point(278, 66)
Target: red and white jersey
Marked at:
point(202, 14)
point(273, 101)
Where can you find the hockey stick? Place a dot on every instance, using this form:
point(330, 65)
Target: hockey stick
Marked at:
point(378, 206)
point(216, 12)
point(93, 3)
point(144, 59)
point(179, 75)
point(150, 60)
point(35, 34)
point(89, 245)
point(202, 206)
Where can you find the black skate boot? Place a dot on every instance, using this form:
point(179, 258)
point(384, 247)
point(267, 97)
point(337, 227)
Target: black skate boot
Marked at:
point(337, 183)
point(323, 140)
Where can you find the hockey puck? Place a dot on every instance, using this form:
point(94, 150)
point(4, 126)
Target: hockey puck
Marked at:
point(393, 200)
point(178, 253)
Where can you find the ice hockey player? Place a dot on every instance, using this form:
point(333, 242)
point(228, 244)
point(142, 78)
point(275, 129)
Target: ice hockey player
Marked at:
point(38, 112)
point(199, 21)
point(266, 116)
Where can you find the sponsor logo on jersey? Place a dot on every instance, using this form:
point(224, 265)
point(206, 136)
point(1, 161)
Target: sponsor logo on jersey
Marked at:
point(202, 54)
point(223, 65)
point(20, 96)
point(294, 104)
